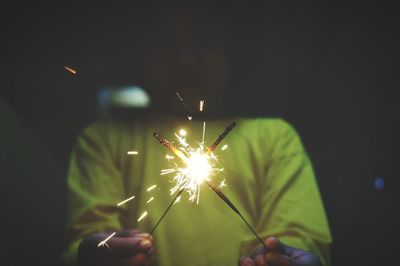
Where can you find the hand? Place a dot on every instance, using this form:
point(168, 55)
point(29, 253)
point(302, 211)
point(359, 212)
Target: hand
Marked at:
point(279, 254)
point(125, 248)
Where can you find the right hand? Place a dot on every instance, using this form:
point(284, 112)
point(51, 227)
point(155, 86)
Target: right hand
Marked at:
point(125, 248)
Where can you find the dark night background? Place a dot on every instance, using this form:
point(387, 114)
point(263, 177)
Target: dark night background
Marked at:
point(330, 69)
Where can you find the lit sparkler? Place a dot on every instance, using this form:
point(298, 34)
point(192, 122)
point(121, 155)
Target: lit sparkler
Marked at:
point(198, 170)
point(197, 167)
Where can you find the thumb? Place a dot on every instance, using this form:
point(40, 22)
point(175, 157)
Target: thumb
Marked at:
point(274, 245)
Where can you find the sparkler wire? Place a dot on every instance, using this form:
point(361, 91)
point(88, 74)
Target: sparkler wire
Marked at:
point(230, 204)
point(166, 211)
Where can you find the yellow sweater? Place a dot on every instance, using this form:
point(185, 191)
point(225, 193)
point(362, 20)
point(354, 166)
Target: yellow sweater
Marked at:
point(268, 174)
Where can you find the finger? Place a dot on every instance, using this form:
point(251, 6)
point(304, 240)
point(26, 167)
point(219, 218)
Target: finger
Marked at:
point(139, 259)
point(127, 233)
point(276, 259)
point(274, 245)
point(129, 245)
point(260, 261)
point(246, 261)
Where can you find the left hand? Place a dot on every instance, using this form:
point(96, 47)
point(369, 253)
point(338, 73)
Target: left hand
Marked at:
point(279, 254)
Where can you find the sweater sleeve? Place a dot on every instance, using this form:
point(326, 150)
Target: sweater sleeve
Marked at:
point(94, 186)
point(290, 203)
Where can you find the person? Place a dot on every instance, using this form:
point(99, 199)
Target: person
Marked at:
point(269, 175)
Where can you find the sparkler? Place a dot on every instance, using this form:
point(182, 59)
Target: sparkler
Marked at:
point(198, 171)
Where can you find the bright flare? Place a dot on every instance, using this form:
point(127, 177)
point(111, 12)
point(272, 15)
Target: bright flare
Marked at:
point(133, 152)
point(196, 166)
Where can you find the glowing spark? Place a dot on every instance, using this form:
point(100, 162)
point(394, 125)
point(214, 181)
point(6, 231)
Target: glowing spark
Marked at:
point(189, 117)
point(178, 199)
point(224, 147)
point(70, 70)
point(125, 201)
point(204, 132)
point(222, 184)
point(167, 171)
point(201, 105)
point(179, 96)
point(169, 157)
point(151, 188)
point(133, 152)
point(150, 200)
point(104, 242)
point(182, 132)
point(142, 216)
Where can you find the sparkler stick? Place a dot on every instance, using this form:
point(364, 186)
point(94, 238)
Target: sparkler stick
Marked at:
point(221, 137)
point(166, 211)
point(169, 146)
point(230, 204)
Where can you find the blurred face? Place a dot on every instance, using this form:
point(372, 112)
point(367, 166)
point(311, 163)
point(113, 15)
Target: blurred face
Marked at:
point(186, 53)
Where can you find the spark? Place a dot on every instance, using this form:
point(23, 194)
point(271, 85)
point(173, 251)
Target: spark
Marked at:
point(178, 199)
point(144, 214)
point(204, 132)
point(150, 200)
point(224, 147)
point(104, 242)
point(151, 188)
point(169, 157)
point(201, 105)
point(125, 201)
point(133, 152)
point(222, 184)
point(70, 70)
point(182, 132)
point(190, 117)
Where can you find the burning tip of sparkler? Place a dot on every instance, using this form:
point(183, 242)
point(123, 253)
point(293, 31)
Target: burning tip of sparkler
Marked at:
point(133, 152)
point(70, 70)
point(144, 214)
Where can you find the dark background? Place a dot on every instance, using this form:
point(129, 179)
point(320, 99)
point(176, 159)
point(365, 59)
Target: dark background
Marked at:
point(330, 69)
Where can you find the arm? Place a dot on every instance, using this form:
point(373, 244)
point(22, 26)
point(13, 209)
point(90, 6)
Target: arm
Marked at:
point(290, 204)
point(95, 185)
